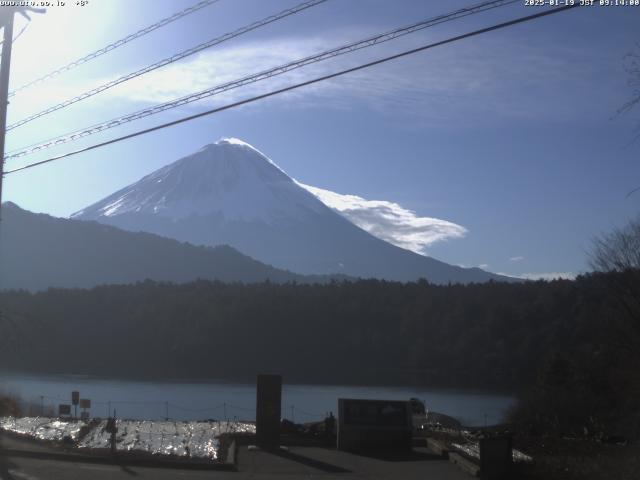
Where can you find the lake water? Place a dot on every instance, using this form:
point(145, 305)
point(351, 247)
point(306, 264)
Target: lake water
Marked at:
point(216, 400)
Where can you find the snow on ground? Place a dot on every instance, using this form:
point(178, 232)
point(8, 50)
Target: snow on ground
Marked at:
point(42, 428)
point(472, 449)
point(183, 439)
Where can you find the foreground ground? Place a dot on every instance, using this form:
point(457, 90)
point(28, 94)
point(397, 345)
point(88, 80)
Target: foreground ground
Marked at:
point(300, 462)
point(573, 459)
point(554, 459)
point(296, 462)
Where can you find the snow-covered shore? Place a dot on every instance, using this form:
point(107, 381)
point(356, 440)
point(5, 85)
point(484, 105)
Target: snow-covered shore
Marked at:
point(182, 439)
point(43, 428)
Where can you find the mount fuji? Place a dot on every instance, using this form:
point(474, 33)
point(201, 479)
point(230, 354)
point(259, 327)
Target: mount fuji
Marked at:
point(230, 193)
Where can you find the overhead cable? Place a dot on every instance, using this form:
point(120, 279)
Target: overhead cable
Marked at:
point(167, 61)
point(298, 85)
point(256, 77)
point(116, 44)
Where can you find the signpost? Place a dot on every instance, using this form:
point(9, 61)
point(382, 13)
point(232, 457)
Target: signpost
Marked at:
point(85, 405)
point(112, 429)
point(75, 399)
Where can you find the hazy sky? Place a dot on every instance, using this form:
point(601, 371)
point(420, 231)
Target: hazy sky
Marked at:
point(511, 138)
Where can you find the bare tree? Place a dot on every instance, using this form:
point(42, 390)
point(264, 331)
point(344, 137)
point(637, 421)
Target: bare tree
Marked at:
point(617, 255)
point(631, 64)
point(618, 251)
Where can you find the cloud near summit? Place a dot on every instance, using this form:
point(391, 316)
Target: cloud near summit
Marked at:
point(389, 221)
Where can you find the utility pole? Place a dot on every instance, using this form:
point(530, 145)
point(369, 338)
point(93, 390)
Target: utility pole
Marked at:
point(6, 17)
point(6, 22)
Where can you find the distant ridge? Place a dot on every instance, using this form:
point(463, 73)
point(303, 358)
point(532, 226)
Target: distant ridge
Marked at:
point(38, 251)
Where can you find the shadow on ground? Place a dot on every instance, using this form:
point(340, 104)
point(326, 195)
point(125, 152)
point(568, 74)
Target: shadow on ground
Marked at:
point(5, 464)
point(309, 462)
point(400, 456)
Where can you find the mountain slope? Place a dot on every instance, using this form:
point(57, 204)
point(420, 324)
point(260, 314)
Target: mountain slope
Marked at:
point(39, 251)
point(230, 193)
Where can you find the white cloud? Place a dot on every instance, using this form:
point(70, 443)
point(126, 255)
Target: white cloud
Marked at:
point(483, 266)
point(518, 258)
point(444, 86)
point(548, 276)
point(215, 67)
point(437, 88)
point(389, 221)
point(219, 66)
point(477, 77)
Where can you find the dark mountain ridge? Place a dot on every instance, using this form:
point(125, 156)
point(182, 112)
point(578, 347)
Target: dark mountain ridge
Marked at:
point(38, 251)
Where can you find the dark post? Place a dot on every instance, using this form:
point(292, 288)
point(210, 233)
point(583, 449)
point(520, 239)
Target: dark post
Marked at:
point(268, 408)
point(75, 399)
point(6, 21)
point(112, 429)
point(496, 457)
point(7, 24)
point(112, 441)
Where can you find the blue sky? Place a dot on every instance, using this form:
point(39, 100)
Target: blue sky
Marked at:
point(511, 136)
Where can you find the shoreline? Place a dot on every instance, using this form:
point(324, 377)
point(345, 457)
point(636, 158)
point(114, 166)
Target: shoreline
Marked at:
point(243, 381)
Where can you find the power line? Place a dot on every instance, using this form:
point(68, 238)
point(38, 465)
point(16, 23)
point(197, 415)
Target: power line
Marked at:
point(299, 85)
point(22, 30)
point(266, 74)
point(169, 60)
point(116, 44)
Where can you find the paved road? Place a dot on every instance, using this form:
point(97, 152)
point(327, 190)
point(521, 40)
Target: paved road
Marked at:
point(297, 462)
point(36, 469)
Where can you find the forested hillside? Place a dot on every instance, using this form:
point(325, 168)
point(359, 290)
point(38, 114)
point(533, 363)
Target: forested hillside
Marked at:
point(491, 335)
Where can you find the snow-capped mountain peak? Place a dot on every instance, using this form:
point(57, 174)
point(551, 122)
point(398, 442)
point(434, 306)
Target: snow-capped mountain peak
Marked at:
point(229, 178)
point(240, 143)
point(229, 192)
